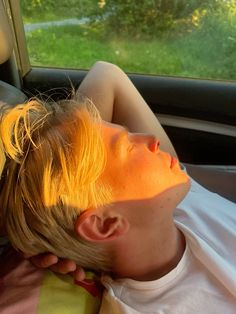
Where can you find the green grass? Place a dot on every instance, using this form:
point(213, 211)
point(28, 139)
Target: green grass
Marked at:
point(47, 16)
point(201, 53)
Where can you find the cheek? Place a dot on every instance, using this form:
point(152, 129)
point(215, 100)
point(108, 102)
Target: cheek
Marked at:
point(153, 175)
point(144, 176)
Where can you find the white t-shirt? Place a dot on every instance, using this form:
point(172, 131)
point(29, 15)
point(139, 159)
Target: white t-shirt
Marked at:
point(204, 280)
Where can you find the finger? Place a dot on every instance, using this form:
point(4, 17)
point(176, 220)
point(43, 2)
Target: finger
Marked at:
point(64, 266)
point(79, 274)
point(44, 260)
point(25, 255)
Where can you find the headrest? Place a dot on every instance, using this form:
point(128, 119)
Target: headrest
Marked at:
point(6, 45)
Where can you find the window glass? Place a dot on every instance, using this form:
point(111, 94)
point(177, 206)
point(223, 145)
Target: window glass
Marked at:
point(191, 38)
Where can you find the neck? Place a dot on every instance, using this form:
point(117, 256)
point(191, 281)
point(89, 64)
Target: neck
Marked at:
point(152, 257)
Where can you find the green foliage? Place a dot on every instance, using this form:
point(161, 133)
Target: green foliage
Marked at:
point(151, 18)
point(38, 9)
point(172, 37)
point(197, 54)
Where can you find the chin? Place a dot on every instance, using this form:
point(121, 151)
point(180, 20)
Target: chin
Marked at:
point(182, 189)
point(171, 197)
point(178, 192)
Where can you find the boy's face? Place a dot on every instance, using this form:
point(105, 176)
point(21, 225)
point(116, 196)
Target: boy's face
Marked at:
point(137, 169)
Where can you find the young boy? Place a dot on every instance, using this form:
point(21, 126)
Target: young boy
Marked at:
point(113, 201)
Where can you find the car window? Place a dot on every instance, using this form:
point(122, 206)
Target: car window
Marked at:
point(189, 38)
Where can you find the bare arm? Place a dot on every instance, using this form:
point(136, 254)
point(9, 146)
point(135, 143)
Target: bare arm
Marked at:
point(119, 102)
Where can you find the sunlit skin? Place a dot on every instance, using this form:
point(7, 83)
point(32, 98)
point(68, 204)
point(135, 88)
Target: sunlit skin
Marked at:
point(136, 168)
point(147, 185)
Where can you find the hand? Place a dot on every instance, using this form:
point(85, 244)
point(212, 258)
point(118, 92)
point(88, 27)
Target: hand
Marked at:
point(58, 265)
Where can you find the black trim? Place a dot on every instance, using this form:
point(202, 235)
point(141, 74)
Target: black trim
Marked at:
point(199, 99)
point(193, 98)
point(200, 147)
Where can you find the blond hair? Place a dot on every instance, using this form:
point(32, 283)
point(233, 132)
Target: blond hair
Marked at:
point(55, 158)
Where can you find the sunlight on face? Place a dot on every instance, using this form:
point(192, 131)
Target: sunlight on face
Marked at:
point(136, 168)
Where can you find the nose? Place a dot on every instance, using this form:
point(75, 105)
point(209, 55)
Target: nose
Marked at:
point(153, 144)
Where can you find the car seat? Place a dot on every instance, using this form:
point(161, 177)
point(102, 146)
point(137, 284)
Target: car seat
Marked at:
point(8, 93)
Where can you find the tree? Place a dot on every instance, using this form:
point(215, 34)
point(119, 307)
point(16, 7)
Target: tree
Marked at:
point(149, 17)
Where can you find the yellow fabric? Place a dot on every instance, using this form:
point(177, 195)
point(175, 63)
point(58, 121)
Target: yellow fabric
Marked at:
point(59, 295)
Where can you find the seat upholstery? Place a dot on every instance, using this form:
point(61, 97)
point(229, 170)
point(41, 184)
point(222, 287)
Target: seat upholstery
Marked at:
point(10, 94)
point(217, 179)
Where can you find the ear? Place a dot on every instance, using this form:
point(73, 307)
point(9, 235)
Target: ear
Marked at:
point(94, 226)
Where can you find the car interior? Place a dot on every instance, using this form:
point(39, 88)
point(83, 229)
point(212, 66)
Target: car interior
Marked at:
point(198, 115)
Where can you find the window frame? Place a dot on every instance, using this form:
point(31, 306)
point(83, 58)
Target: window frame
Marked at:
point(20, 45)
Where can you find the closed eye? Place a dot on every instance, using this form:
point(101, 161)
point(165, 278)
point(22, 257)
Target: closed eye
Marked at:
point(131, 147)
